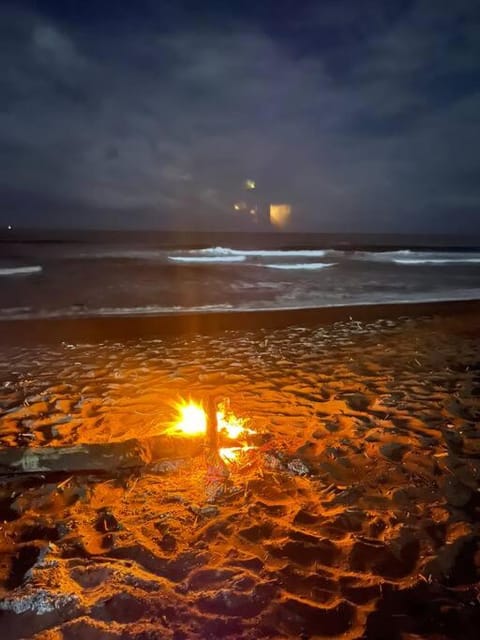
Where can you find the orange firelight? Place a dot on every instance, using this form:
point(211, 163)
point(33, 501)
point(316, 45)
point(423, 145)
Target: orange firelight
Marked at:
point(233, 454)
point(192, 421)
point(229, 423)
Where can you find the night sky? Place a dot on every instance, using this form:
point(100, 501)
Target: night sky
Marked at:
point(364, 115)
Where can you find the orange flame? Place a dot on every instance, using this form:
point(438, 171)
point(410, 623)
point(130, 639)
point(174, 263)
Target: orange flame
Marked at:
point(229, 423)
point(191, 419)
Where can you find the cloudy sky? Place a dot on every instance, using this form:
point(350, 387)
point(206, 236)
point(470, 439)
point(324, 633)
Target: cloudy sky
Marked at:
point(363, 114)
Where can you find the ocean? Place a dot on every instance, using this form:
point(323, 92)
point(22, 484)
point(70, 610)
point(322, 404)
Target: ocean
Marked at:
point(128, 274)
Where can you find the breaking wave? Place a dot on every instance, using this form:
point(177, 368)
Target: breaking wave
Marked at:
point(19, 271)
point(308, 266)
point(14, 313)
point(155, 309)
point(409, 257)
point(208, 259)
point(260, 253)
point(416, 261)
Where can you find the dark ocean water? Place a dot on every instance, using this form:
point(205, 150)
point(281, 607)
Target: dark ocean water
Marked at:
point(128, 276)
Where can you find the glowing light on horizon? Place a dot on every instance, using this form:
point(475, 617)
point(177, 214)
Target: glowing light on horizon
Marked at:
point(280, 214)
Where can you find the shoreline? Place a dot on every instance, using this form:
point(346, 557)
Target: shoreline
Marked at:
point(126, 327)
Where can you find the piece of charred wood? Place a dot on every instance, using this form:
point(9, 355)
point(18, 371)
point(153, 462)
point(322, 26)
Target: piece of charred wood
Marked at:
point(103, 457)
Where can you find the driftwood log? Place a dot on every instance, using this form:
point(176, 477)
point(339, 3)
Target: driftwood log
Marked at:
point(104, 457)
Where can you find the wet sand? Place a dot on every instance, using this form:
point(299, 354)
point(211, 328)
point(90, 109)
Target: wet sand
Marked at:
point(125, 326)
point(359, 518)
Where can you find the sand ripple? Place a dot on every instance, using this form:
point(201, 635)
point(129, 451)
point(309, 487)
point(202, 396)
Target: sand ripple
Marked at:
point(379, 538)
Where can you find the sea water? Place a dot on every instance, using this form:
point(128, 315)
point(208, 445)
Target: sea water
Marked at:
point(66, 278)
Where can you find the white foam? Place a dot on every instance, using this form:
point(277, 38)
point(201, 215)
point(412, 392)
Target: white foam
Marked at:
point(14, 313)
point(472, 295)
point(154, 309)
point(383, 256)
point(17, 271)
point(207, 259)
point(407, 256)
point(437, 261)
point(400, 252)
point(266, 253)
point(308, 266)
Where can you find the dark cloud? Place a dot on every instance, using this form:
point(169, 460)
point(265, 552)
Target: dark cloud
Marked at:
point(365, 116)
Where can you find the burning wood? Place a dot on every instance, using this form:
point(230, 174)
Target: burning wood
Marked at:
point(194, 431)
point(219, 424)
point(221, 427)
point(217, 474)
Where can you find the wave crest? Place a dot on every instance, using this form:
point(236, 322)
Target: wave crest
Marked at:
point(308, 266)
point(18, 271)
point(416, 261)
point(260, 253)
point(207, 259)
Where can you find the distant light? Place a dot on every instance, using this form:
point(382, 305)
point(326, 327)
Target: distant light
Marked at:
point(250, 185)
point(240, 206)
point(253, 212)
point(280, 214)
point(9, 227)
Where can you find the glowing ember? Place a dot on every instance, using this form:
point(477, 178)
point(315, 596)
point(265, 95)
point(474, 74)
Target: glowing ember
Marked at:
point(233, 454)
point(230, 454)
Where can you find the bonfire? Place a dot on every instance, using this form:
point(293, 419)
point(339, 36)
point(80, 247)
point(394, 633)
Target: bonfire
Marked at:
point(219, 425)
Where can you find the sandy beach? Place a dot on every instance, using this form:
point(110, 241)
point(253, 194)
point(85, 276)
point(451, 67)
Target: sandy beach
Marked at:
point(357, 517)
